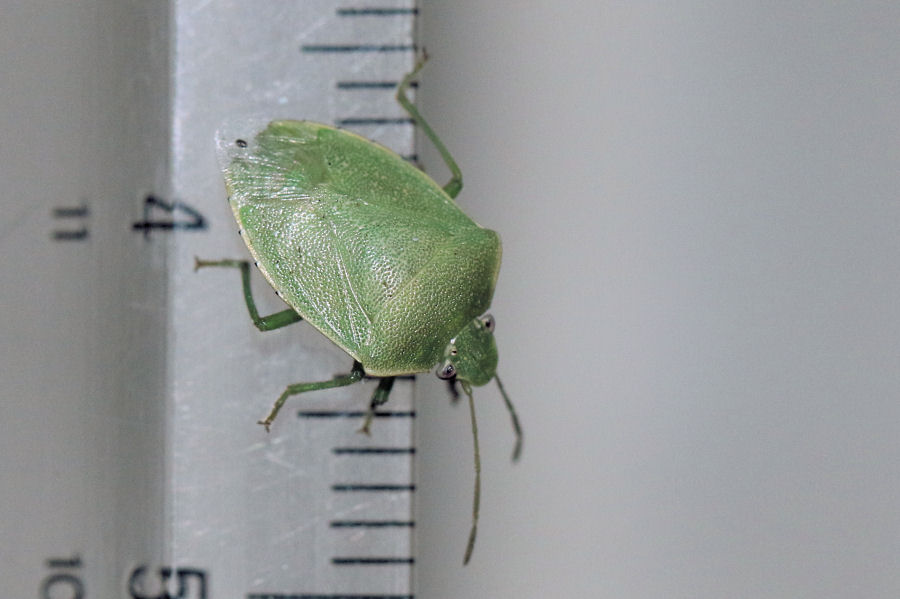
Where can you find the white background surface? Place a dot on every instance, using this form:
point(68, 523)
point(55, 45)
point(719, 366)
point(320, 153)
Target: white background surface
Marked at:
point(697, 312)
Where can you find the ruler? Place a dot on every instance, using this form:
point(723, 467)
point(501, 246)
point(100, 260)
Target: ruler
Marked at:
point(132, 463)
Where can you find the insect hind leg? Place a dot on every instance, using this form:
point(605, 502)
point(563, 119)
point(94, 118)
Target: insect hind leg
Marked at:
point(453, 187)
point(263, 323)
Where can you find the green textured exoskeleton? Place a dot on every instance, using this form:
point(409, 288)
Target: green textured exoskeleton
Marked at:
point(370, 251)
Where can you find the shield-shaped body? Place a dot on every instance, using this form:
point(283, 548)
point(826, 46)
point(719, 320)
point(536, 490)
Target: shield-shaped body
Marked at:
point(363, 245)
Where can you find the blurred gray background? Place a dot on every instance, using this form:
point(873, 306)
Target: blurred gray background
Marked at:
point(697, 312)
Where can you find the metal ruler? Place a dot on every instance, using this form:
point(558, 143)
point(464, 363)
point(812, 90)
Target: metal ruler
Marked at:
point(132, 464)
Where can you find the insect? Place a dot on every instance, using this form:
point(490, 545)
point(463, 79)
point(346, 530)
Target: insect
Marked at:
point(371, 252)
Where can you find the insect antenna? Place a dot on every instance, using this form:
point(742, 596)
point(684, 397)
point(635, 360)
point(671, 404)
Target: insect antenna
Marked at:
point(476, 499)
point(517, 450)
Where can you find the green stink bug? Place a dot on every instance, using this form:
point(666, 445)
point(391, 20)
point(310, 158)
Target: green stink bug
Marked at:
point(373, 253)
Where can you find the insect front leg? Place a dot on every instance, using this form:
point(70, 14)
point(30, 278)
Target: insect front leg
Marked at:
point(453, 391)
point(379, 398)
point(356, 374)
point(453, 187)
point(263, 323)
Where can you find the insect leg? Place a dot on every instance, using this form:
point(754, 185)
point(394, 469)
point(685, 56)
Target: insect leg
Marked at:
point(453, 391)
point(476, 499)
point(517, 450)
point(263, 323)
point(355, 375)
point(380, 397)
point(455, 184)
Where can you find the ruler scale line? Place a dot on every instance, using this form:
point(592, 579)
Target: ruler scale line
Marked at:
point(373, 561)
point(372, 524)
point(377, 12)
point(374, 450)
point(388, 85)
point(340, 488)
point(352, 414)
point(358, 48)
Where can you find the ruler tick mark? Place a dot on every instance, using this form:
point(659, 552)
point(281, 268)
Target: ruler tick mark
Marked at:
point(374, 121)
point(372, 524)
point(351, 414)
point(390, 85)
point(358, 48)
point(374, 450)
point(373, 561)
point(376, 12)
point(388, 488)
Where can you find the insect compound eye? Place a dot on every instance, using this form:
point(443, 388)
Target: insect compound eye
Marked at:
point(488, 322)
point(447, 371)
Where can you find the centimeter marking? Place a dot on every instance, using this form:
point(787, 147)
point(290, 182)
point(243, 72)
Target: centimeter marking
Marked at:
point(398, 525)
point(370, 11)
point(401, 526)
